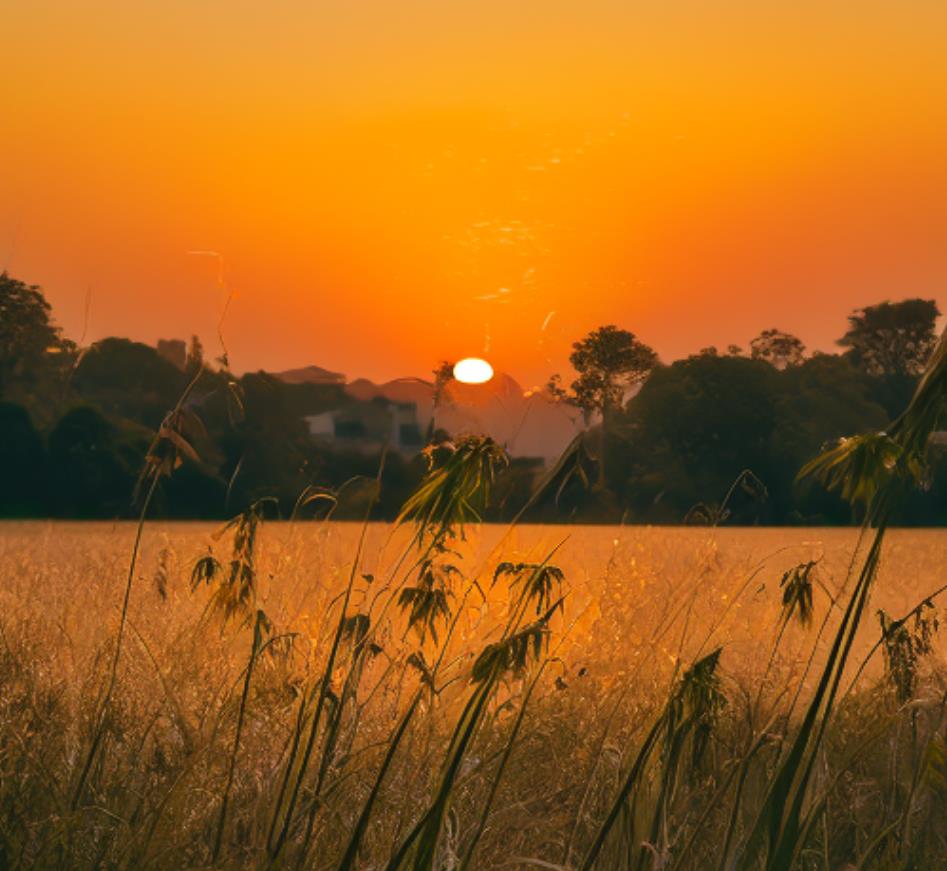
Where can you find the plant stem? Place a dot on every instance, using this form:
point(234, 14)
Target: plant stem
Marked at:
point(113, 672)
point(325, 681)
point(222, 819)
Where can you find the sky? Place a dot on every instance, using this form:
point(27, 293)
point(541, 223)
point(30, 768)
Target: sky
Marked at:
point(377, 186)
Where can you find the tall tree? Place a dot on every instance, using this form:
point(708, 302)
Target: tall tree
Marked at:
point(892, 338)
point(610, 362)
point(779, 349)
point(30, 344)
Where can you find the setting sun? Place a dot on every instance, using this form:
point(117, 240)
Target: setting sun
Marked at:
point(473, 370)
point(291, 575)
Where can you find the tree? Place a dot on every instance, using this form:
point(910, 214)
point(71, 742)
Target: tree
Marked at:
point(777, 348)
point(610, 362)
point(892, 338)
point(30, 344)
point(129, 379)
point(693, 428)
point(269, 452)
point(92, 468)
point(822, 400)
point(22, 463)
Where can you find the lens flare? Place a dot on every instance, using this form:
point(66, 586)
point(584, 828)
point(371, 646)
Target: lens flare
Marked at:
point(473, 370)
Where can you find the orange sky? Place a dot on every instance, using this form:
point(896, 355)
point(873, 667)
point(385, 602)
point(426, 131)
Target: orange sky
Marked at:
point(392, 183)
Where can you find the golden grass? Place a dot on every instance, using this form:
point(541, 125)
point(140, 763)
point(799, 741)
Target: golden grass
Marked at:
point(639, 602)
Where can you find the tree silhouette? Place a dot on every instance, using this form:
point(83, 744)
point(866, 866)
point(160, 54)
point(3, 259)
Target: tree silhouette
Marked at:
point(29, 341)
point(777, 348)
point(92, 466)
point(129, 379)
point(22, 463)
point(892, 338)
point(610, 362)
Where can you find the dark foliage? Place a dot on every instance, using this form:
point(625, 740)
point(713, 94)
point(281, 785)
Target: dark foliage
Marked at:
point(93, 465)
point(22, 463)
point(686, 446)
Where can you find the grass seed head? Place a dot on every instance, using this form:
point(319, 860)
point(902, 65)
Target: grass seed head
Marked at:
point(796, 585)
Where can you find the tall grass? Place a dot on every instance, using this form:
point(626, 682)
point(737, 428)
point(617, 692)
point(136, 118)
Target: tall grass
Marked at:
point(442, 710)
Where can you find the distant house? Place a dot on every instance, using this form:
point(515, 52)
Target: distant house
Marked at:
point(368, 425)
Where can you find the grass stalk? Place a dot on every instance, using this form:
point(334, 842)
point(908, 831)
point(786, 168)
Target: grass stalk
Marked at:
point(350, 857)
point(241, 714)
point(507, 750)
point(99, 728)
point(280, 841)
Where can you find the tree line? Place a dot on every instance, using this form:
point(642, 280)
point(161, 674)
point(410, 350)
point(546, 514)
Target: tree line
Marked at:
point(722, 435)
point(76, 425)
point(718, 436)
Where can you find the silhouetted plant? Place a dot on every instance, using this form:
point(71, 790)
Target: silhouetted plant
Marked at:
point(513, 653)
point(712, 514)
point(427, 603)
point(691, 712)
point(539, 580)
point(904, 643)
point(456, 488)
point(163, 457)
point(873, 471)
point(796, 584)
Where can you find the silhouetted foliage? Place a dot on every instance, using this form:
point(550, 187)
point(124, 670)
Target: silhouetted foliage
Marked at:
point(130, 380)
point(610, 362)
point(693, 428)
point(34, 357)
point(22, 464)
point(777, 348)
point(892, 338)
point(27, 335)
point(93, 465)
point(687, 445)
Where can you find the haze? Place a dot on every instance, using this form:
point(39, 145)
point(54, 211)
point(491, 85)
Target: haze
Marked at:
point(391, 184)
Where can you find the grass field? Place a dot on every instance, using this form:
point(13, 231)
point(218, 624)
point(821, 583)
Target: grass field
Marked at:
point(200, 766)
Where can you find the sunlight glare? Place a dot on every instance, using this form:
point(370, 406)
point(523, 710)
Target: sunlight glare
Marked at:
point(473, 370)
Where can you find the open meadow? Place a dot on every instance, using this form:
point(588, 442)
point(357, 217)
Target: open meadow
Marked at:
point(503, 435)
point(659, 661)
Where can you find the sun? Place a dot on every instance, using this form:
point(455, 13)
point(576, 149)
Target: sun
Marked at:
point(473, 370)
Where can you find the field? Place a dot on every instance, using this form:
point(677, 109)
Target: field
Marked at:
point(221, 745)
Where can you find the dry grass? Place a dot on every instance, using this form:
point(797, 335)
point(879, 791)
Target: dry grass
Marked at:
point(640, 606)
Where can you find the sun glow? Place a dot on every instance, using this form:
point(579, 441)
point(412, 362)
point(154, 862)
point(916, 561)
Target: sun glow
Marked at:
point(473, 370)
